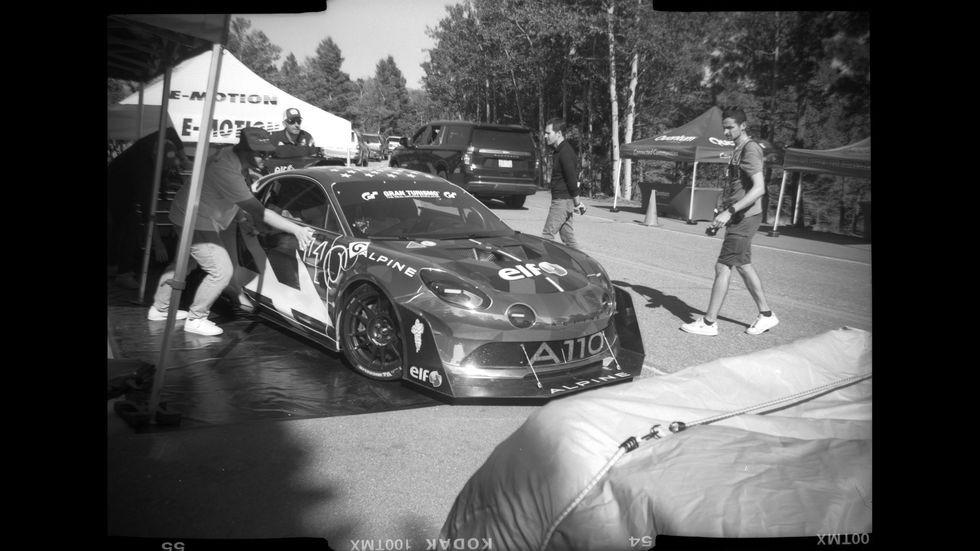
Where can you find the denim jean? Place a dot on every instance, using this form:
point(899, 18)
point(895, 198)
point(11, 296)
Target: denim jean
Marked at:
point(560, 221)
point(213, 259)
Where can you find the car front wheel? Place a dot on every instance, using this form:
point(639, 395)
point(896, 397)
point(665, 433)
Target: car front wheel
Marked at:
point(370, 334)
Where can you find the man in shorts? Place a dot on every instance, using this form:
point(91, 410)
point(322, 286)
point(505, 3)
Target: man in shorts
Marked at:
point(740, 212)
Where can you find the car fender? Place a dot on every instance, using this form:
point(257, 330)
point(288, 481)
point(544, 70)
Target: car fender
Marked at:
point(423, 368)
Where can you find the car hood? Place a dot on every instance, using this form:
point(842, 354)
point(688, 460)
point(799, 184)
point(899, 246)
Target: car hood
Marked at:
point(516, 264)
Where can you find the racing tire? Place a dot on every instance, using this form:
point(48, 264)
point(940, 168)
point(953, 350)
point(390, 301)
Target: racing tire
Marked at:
point(370, 336)
point(515, 201)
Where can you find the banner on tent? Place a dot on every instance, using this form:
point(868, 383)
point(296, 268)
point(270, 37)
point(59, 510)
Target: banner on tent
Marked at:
point(190, 128)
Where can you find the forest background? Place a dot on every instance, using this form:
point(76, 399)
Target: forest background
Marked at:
point(617, 71)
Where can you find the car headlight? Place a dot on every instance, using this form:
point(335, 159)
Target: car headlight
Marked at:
point(609, 292)
point(454, 291)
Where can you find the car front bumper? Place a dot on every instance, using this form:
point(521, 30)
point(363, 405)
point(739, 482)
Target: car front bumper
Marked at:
point(615, 356)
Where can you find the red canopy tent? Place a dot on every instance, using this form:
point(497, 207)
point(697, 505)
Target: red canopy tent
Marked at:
point(852, 160)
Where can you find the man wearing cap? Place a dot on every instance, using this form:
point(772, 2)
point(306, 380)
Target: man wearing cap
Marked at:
point(225, 194)
point(291, 133)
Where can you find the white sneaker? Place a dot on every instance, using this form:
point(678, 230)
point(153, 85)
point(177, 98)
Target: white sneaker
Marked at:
point(202, 326)
point(698, 327)
point(159, 315)
point(762, 324)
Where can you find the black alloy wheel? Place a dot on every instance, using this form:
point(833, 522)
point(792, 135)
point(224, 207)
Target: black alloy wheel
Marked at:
point(370, 335)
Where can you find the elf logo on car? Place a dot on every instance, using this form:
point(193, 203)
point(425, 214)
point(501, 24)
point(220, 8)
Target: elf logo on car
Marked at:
point(522, 271)
point(426, 376)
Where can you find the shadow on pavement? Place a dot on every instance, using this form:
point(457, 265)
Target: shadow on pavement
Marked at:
point(677, 307)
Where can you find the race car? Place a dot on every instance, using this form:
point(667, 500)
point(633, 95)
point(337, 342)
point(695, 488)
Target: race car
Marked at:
point(415, 280)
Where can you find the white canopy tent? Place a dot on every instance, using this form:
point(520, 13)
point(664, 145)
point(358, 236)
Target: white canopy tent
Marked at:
point(243, 99)
point(131, 122)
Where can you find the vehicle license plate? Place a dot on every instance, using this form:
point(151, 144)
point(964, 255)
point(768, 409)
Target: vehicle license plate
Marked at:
point(505, 163)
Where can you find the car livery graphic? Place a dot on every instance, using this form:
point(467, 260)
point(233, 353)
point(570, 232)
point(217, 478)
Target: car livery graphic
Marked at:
point(414, 279)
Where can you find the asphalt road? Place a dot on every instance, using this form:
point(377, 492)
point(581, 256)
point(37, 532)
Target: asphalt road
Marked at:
point(392, 477)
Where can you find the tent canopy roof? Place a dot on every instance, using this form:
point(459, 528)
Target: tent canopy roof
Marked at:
point(701, 140)
point(243, 99)
point(142, 46)
point(850, 160)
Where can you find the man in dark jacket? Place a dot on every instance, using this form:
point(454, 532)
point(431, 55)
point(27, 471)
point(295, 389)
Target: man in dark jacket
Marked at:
point(564, 185)
point(291, 133)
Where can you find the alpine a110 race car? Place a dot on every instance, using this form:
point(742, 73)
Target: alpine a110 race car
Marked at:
point(414, 279)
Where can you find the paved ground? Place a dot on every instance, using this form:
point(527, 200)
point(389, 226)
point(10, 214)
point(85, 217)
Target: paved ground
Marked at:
point(394, 475)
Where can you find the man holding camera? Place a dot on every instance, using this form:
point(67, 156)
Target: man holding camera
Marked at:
point(740, 213)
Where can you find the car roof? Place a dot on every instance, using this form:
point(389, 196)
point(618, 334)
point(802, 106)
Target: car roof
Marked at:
point(327, 175)
point(478, 124)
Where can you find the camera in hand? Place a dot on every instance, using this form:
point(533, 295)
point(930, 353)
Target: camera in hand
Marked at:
point(711, 230)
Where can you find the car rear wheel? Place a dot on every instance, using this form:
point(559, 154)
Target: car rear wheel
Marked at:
point(515, 201)
point(370, 335)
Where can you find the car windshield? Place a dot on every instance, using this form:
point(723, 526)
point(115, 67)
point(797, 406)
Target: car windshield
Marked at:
point(415, 210)
point(372, 138)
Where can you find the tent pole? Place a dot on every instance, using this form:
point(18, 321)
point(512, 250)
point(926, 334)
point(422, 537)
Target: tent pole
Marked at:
point(150, 215)
point(187, 229)
point(799, 195)
point(782, 189)
point(690, 208)
point(616, 165)
point(139, 117)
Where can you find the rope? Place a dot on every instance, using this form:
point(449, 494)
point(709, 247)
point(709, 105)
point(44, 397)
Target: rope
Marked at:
point(657, 432)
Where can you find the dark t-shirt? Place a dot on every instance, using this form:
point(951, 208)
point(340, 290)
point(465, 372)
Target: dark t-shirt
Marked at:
point(746, 161)
point(281, 137)
point(564, 177)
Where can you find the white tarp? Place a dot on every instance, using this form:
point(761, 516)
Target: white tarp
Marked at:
point(800, 471)
point(243, 99)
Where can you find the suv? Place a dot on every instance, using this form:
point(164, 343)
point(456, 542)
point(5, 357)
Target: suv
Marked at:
point(374, 146)
point(488, 160)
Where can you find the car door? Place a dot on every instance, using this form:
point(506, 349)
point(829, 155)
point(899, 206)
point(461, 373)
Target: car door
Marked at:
point(425, 149)
point(410, 157)
point(284, 281)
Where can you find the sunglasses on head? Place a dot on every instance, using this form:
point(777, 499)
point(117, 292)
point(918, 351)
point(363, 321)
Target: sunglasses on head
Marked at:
point(296, 120)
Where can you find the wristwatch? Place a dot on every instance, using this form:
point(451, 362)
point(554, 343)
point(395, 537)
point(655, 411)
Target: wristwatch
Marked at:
point(731, 210)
